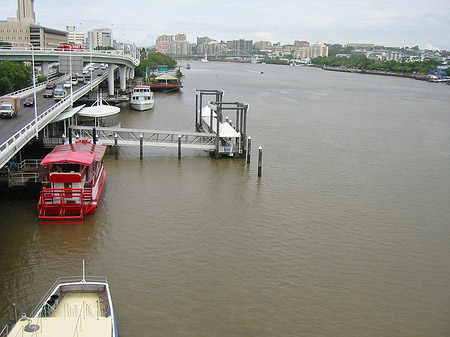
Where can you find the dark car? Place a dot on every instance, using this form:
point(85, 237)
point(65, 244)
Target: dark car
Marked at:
point(29, 101)
point(50, 85)
point(48, 93)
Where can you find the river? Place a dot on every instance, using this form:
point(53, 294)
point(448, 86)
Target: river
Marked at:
point(346, 233)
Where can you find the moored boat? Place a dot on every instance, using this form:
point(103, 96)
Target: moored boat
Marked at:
point(72, 180)
point(142, 98)
point(74, 306)
point(165, 82)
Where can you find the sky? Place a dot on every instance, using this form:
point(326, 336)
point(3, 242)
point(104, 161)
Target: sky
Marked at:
point(391, 23)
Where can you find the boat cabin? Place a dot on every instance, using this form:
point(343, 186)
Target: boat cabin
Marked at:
point(72, 179)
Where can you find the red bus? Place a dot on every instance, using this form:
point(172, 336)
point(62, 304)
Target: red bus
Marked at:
point(68, 47)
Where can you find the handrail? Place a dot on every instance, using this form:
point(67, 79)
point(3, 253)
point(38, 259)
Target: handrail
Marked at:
point(31, 88)
point(67, 280)
point(27, 132)
point(6, 327)
point(116, 54)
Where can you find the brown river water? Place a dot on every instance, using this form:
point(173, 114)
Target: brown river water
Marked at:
point(346, 234)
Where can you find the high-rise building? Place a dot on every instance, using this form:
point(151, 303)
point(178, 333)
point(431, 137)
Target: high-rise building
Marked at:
point(173, 44)
point(22, 30)
point(100, 38)
point(75, 37)
point(240, 46)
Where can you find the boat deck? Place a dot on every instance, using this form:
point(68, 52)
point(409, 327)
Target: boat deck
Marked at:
point(77, 314)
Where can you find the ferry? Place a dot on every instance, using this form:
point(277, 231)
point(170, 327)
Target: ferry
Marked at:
point(74, 306)
point(142, 98)
point(72, 180)
point(165, 82)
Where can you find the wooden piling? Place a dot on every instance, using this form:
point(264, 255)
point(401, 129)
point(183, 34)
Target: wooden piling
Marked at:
point(94, 136)
point(116, 146)
point(260, 161)
point(69, 131)
point(141, 147)
point(249, 148)
point(179, 147)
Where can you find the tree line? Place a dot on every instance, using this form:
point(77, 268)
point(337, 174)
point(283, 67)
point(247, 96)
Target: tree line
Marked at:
point(152, 59)
point(14, 76)
point(361, 62)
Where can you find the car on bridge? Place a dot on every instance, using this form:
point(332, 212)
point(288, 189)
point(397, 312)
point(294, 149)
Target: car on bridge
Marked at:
point(29, 101)
point(48, 93)
point(50, 85)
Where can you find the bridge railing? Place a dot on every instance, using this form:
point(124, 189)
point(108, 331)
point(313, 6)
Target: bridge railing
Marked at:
point(26, 91)
point(12, 145)
point(113, 53)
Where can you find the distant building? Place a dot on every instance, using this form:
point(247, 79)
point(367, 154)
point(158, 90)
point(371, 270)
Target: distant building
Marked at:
point(23, 29)
point(240, 46)
point(262, 45)
point(361, 45)
point(173, 44)
point(301, 44)
point(74, 36)
point(315, 50)
point(100, 38)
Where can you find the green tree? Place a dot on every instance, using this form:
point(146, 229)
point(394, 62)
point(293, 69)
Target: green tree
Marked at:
point(152, 60)
point(14, 76)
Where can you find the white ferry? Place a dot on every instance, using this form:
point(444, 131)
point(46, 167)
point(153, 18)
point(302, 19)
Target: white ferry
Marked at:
point(74, 306)
point(142, 98)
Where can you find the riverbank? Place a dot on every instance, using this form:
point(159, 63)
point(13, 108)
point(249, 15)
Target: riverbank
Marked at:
point(422, 77)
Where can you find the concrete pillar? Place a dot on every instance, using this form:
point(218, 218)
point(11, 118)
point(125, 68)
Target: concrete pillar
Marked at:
point(110, 80)
point(123, 79)
point(132, 73)
point(44, 69)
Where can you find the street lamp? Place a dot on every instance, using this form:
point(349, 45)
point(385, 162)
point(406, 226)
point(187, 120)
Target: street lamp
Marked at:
point(34, 89)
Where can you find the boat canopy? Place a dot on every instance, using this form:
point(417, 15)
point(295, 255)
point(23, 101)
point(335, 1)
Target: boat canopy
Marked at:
point(165, 77)
point(78, 153)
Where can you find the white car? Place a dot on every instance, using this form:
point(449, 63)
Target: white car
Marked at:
point(66, 84)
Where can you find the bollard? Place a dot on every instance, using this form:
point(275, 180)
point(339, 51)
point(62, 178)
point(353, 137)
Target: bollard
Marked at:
point(116, 146)
point(249, 148)
point(70, 135)
point(260, 161)
point(141, 147)
point(179, 147)
point(63, 138)
point(94, 136)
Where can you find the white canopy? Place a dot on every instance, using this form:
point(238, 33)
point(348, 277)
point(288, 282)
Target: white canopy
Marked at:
point(225, 129)
point(67, 114)
point(99, 111)
point(166, 77)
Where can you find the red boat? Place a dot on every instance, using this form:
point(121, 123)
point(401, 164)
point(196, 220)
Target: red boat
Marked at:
point(72, 180)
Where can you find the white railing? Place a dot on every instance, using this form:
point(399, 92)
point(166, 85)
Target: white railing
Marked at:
point(26, 91)
point(127, 137)
point(5, 331)
point(113, 54)
point(64, 280)
point(12, 145)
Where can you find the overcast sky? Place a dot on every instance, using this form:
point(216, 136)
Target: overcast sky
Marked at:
point(384, 22)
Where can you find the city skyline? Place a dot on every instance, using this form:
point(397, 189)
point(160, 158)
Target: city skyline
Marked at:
point(398, 24)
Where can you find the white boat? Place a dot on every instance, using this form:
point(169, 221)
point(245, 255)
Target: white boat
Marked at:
point(205, 59)
point(72, 307)
point(142, 98)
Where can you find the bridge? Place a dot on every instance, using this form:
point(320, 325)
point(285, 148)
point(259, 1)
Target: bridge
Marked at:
point(125, 62)
point(17, 132)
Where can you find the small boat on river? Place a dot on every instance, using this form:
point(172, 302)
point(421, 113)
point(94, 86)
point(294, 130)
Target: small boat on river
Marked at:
point(165, 82)
point(74, 306)
point(72, 181)
point(142, 98)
